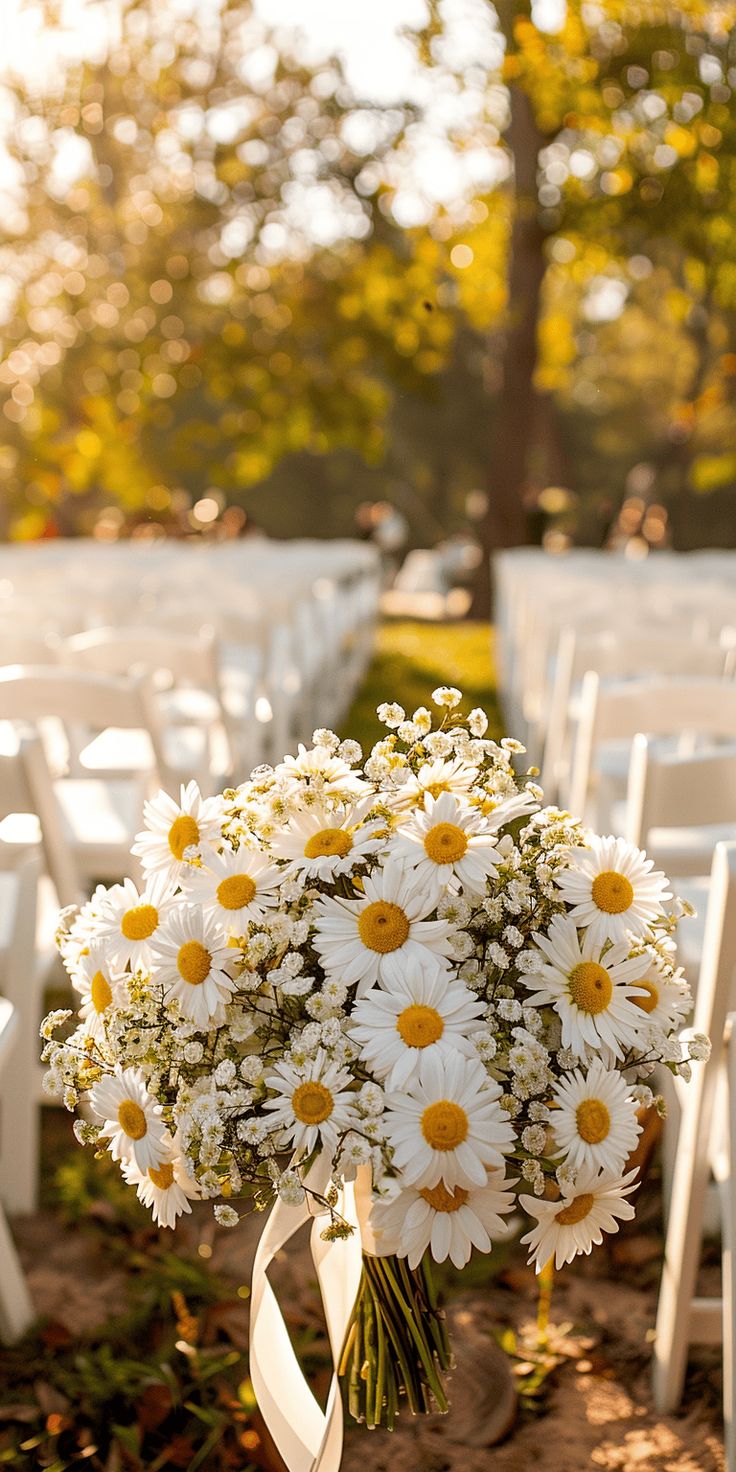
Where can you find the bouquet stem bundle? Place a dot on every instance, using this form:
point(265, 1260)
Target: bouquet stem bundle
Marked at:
point(396, 1347)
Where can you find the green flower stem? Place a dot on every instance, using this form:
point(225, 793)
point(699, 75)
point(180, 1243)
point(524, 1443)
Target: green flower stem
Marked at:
point(396, 1347)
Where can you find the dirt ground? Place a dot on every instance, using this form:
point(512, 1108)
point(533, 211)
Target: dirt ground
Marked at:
point(595, 1409)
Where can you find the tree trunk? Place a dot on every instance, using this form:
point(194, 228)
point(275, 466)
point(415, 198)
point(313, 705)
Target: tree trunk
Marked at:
point(505, 524)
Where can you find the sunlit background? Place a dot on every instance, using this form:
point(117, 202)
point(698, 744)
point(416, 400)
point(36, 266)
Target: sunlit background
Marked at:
point(473, 262)
point(307, 309)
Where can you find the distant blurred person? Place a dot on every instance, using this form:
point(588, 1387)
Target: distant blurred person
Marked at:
point(388, 528)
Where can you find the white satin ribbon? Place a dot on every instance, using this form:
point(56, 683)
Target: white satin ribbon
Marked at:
point(308, 1438)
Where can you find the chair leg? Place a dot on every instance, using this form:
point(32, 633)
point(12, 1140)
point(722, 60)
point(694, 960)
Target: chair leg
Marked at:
point(728, 1265)
point(19, 1111)
point(16, 1309)
point(682, 1253)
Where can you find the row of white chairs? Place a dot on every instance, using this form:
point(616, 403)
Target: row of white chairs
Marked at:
point(560, 616)
point(95, 716)
point(289, 625)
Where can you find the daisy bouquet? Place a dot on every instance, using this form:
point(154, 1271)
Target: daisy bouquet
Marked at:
point(401, 976)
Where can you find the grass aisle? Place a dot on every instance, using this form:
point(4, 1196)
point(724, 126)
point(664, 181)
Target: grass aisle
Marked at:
point(411, 659)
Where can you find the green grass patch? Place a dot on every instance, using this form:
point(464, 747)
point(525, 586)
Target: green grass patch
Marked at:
point(411, 659)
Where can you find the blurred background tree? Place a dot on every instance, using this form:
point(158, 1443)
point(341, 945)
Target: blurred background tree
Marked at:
point(498, 290)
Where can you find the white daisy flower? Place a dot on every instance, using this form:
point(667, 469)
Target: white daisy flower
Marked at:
point(592, 990)
point(131, 1118)
point(131, 921)
point(313, 1104)
point(435, 777)
point(100, 987)
point(448, 844)
point(665, 1001)
point(577, 1222)
point(324, 771)
point(166, 1189)
point(450, 1223)
point(370, 939)
point(322, 842)
point(173, 829)
point(236, 885)
point(189, 958)
point(418, 1015)
point(613, 889)
point(447, 1125)
point(593, 1118)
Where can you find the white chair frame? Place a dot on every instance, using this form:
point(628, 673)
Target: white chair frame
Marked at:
point(16, 1309)
point(682, 1317)
point(619, 710)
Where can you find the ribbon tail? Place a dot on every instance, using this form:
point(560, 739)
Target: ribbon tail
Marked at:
point(308, 1438)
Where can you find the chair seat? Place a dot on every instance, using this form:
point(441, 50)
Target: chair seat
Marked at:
point(687, 851)
point(101, 820)
point(612, 758)
point(188, 707)
point(123, 755)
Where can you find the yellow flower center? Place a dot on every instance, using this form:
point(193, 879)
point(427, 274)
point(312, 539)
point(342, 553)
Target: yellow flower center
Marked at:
point(183, 832)
point(328, 843)
point(132, 1119)
point(593, 1121)
point(312, 1103)
point(419, 1026)
point(194, 962)
point(100, 991)
point(612, 892)
point(569, 1216)
point(162, 1175)
point(435, 788)
point(440, 1199)
point(383, 926)
point(649, 998)
point(445, 843)
point(140, 922)
point(235, 892)
point(591, 987)
point(444, 1125)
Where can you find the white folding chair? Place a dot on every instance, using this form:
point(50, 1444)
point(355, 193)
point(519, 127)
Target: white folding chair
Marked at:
point(186, 679)
point(87, 824)
point(682, 709)
point(705, 1147)
point(680, 804)
point(619, 653)
point(16, 1309)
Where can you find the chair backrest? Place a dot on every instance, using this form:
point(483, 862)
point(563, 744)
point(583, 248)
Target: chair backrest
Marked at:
point(678, 790)
point(190, 659)
point(619, 654)
point(716, 991)
point(31, 694)
point(21, 648)
point(656, 706)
